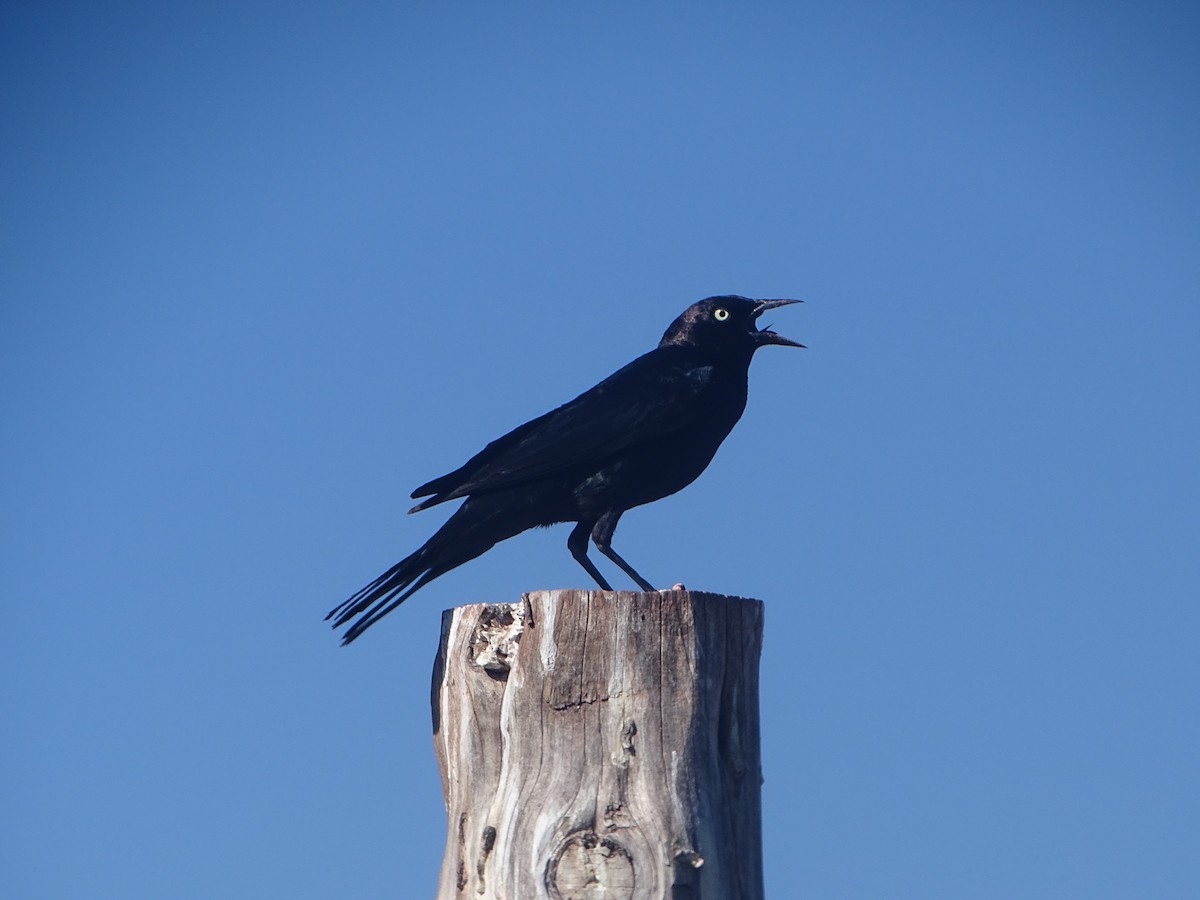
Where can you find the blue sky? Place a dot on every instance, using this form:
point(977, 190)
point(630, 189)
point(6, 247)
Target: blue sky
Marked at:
point(267, 267)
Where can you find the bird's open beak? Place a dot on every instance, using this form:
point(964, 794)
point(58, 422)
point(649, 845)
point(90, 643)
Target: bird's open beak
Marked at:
point(766, 335)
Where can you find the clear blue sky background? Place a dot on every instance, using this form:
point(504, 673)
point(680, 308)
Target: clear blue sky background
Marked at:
point(266, 267)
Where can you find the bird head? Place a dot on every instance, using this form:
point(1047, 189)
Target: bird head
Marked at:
point(728, 323)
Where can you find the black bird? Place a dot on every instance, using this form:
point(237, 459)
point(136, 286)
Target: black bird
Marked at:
point(641, 434)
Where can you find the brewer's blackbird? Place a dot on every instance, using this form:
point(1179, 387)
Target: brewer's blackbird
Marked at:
point(643, 433)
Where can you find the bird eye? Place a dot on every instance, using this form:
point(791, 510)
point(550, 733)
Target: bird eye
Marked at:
point(721, 315)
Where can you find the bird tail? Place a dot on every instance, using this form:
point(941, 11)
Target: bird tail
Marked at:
point(474, 528)
point(384, 594)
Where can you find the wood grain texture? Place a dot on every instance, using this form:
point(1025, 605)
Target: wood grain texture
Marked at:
point(601, 745)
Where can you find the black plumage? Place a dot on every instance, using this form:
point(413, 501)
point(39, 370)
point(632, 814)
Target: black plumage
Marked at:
point(643, 433)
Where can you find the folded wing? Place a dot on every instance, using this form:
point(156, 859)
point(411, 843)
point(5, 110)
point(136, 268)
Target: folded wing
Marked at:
point(654, 396)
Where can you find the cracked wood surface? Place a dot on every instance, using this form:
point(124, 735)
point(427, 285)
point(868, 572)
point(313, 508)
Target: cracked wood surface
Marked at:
point(601, 745)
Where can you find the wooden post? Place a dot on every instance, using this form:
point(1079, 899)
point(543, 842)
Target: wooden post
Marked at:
point(601, 745)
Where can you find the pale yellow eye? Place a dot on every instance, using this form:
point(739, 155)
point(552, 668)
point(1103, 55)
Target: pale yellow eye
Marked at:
point(721, 315)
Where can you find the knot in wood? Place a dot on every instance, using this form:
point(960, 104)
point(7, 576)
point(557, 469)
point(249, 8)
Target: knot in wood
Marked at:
point(497, 637)
point(590, 867)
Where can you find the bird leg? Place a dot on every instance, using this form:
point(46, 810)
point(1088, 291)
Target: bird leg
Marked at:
point(577, 544)
point(602, 538)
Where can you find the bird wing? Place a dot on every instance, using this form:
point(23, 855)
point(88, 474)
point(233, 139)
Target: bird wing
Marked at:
point(653, 396)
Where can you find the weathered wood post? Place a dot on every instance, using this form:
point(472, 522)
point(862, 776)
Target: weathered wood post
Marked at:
point(599, 745)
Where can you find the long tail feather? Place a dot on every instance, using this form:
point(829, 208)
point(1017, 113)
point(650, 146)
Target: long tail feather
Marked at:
point(379, 597)
point(473, 529)
point(385, 605)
